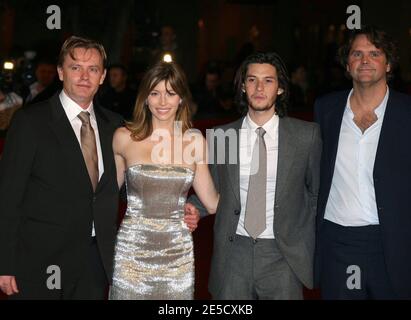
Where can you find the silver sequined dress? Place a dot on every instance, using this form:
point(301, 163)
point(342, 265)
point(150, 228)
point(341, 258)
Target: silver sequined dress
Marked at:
point(154, 249)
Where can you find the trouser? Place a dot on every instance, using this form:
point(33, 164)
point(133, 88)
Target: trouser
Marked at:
point(352, 264)
point(258, 270)
point(92, 283)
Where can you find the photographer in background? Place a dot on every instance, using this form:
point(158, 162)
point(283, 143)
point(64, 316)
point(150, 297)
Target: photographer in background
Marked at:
point(45, 85)
point(10, 101)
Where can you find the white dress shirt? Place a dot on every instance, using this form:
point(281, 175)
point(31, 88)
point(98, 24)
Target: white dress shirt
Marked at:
point(248, 137)
point(72, 111)
point(352, 196)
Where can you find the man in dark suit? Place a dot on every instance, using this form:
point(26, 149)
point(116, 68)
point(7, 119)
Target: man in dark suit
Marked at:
point(364, 221)
point(46, 83)
point(267, 174)
point(58, 187)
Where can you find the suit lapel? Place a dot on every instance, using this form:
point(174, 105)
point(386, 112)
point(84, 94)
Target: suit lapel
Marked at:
point(286, 150)
point(70, 147)
point(331, 128)
point(393, 123)
point(106, 145)
point(234, 168)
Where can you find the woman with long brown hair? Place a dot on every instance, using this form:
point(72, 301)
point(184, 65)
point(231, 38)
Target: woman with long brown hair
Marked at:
point(159, 157)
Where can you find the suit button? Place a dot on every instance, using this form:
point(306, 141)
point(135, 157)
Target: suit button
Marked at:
point(236, 212)
point(94, 198)
point(230, 238)
point(380, 209)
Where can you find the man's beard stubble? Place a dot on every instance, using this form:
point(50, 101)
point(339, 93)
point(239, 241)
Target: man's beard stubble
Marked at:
point(266, 108)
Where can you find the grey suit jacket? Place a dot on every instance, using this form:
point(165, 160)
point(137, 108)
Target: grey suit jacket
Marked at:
point(295, 202)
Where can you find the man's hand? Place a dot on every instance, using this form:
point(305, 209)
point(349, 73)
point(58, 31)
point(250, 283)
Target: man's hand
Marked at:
point(8, 285)
point(191, 216)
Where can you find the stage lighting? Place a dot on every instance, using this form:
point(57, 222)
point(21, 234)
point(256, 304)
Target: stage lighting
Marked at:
point(167, 58)
point(8, 65)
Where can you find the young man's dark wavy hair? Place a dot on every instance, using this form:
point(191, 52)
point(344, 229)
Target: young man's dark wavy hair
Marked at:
point(379, 38)
point(274, 59)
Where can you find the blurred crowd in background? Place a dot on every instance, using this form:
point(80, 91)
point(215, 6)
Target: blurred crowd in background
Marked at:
point(28, 76)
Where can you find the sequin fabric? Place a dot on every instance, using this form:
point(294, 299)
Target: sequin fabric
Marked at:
point(154, 249)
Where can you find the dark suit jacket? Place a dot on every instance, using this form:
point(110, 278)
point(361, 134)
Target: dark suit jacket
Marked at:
point(295, 202)
point(392, 179)
point(47, 203)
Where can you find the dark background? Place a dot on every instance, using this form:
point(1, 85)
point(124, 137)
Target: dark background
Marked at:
point(306, 32)
point(301, 31)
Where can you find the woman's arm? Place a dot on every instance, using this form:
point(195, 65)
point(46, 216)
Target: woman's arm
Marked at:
point(203, 182)
point(119, 141)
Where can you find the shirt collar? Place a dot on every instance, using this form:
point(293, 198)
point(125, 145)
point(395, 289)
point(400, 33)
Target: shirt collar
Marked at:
point(72, 109)
point(270, 126)
point(379, 111)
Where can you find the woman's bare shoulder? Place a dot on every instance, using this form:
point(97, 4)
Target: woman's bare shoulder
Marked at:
point(121, 138)
point(122, 134)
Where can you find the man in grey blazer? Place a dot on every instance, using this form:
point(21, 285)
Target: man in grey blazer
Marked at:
point(266, 169)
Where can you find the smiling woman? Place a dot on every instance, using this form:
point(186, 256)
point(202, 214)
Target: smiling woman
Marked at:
point(163, 103)
point(154, 249)
point(163, 80)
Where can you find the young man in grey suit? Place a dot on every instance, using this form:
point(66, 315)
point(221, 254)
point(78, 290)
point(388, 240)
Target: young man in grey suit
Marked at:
point(264, 227)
